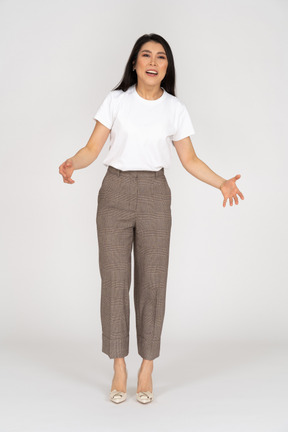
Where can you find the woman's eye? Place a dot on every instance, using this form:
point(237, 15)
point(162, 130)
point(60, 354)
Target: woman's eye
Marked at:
point(159, 57)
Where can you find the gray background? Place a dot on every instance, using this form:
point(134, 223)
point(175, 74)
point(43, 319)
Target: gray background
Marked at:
point(227, 282)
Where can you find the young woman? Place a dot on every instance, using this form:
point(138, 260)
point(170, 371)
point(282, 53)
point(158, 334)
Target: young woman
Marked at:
point(144, 119)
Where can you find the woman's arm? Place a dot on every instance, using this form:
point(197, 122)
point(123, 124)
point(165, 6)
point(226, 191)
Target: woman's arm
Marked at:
point(86, 155)
point(201, 171)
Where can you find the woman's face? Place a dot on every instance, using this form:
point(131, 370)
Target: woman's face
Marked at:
point(151, 56)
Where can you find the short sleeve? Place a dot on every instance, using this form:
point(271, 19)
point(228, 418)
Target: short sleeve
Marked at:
point(105, 111)
point(184, 126)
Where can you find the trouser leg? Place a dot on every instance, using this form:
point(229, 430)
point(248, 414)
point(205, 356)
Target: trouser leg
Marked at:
point(115, 237)
point(151, 257)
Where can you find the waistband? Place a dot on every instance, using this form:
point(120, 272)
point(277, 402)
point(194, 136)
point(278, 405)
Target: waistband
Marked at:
point(138, 173)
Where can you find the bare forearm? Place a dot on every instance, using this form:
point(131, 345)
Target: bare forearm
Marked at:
point(83, 158)
point(202, 172)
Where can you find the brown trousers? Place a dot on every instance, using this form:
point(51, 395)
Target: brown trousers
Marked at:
point(134, 209)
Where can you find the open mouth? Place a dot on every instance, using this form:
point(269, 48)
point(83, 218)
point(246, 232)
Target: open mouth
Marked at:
point(151, 73)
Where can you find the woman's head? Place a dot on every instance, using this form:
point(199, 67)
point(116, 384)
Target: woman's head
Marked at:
point(157, 55)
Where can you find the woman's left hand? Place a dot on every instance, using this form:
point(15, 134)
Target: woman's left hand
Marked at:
point(230, 190)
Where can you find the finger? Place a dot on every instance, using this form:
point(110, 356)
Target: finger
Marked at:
point(231, 201)
point(241, 195)
point(236, 199)
point(224, 202)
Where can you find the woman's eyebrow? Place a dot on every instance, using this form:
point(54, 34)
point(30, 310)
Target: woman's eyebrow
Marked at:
point(159, 52)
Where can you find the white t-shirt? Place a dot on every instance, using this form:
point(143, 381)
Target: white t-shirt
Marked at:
point(142, 130)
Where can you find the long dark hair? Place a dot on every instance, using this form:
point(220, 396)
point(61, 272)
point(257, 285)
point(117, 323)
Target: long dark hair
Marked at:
point(130, 77)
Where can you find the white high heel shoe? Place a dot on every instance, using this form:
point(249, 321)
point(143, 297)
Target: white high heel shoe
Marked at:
point(144, 396)
point(118, 396)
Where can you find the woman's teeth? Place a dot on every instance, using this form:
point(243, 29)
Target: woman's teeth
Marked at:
point(151, 73)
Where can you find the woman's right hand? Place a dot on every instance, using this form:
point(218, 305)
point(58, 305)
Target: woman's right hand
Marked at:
point(66, 170)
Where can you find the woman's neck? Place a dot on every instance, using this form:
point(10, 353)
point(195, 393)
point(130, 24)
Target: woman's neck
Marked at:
point(149, 92)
